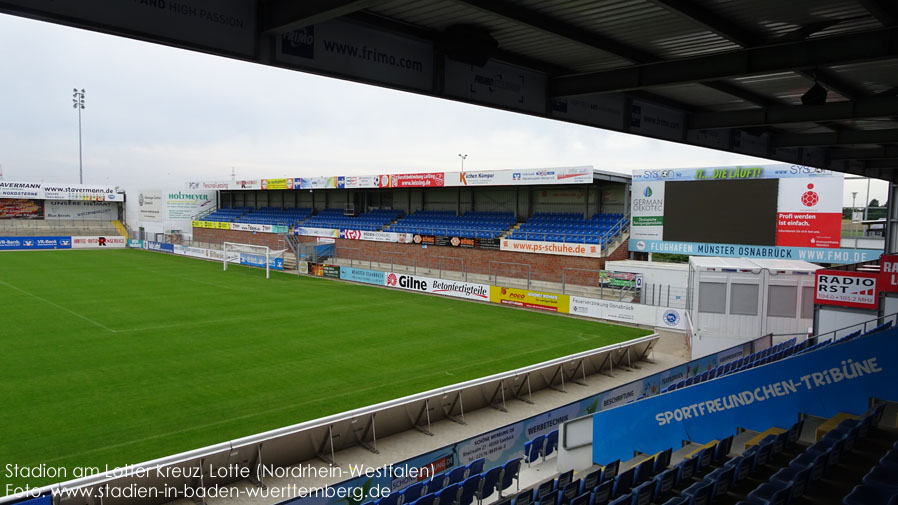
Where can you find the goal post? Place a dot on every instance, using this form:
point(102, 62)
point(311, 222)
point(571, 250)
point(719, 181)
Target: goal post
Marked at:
point(252, 255)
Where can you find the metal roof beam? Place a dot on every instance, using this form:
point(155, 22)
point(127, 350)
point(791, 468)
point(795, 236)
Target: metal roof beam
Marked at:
point(875, 153)
point(885, 12)
point(280, 16)
point(713, 22)
point(558, 28)
point(847, 137)
point(808, 54)
point(836, 111)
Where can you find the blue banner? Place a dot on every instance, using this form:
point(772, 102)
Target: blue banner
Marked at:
point(29, 243)
point(158, 246)
point(812, 254)
point(362, 275)
point(138, 244)
point(837, 378)
point(258, 260)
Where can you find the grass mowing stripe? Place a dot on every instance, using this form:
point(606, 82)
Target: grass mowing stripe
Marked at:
point(202, 356)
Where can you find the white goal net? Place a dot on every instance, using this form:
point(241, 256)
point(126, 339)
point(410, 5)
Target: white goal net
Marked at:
point(252, 255)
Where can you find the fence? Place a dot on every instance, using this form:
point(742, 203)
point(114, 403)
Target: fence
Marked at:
point(664, 295)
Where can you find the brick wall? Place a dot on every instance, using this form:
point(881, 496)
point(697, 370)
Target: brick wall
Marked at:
point(543, 267)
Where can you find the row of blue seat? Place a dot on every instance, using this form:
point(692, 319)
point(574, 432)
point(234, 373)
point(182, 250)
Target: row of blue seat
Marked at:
point(880, 484)
point(762, 357)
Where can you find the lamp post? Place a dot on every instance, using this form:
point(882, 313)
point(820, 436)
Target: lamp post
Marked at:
point(463, 157)
point(78, 103)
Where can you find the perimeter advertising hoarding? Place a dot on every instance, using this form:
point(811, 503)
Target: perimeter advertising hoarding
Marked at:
point(561, 175)
point(25, 243)
point(888, 280)
point(63, 210)
point(457, 289)
point(530, 299)
point(770, 211)
point(49, 191)
point(846, 289)
point(100, 242)
point(21, 208)
point(425, 180)
point(463, 242)
point(558, 248)
point(376, 236)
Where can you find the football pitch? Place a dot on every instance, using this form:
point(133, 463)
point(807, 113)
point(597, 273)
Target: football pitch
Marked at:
point(117, 357)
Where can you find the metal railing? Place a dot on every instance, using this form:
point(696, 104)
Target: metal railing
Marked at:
point(863, 327)
point(323, 438)
point(664, 295)
point(496, 266)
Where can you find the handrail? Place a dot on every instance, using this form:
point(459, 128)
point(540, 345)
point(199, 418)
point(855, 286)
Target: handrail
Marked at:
point(324, 422)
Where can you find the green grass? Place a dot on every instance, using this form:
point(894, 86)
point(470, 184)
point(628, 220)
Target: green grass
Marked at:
point(118, 357)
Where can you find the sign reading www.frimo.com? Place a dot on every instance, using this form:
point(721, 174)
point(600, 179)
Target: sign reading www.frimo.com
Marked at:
point(846, 289)
point(457, 289)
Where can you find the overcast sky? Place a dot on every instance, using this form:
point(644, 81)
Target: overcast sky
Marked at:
point(158, 116)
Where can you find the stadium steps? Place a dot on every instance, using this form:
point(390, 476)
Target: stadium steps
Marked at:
point(121, 228)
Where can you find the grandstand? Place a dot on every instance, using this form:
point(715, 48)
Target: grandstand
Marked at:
point(572, 228)
point(469, 225)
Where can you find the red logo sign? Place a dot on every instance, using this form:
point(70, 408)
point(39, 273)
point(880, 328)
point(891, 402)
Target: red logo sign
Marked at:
point(391, 279)
point(352, 234)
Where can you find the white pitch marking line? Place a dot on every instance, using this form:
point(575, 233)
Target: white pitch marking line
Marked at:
point(72, 312)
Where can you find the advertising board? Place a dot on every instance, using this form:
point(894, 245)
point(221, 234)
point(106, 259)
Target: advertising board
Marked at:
point(362, 275)
point(457, 289)
point(424, 180)
point(376, 236)
point(846, 289)
point(563, 249)
point(888, 280)
point(462, 242)
point(317, 232)
point(551, 302)
point(50, 191)
point(27, 243)
point(100, 242)
point(765, 211)
point(21, 208)
point(76, 209)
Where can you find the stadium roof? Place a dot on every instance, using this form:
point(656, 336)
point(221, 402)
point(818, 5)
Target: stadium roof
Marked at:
point(812, 82)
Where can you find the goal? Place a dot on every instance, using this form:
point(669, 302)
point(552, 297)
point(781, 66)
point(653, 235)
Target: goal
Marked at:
point(252, 255)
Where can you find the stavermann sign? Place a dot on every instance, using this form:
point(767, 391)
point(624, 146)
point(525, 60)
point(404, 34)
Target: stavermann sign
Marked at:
point(846, 289)
point(456, 289)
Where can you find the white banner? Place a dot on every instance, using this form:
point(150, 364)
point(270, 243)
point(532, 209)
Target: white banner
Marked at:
point(99, 211)
point(674, 319)
point(49, 191)
point(150, 206)
point(560, 175)
point(564, 249)
point(457, 289)
point(261, 228)
point(317, 232)
point(193, 252)
point(359, 181)
point(108, 241)
point(633, 313)
point(377, 236)
point(184, 205)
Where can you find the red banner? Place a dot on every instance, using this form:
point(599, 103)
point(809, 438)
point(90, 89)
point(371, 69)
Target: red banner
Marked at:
point(888, 279)
point(808, 229)
point(847, 289)
point(428, 180)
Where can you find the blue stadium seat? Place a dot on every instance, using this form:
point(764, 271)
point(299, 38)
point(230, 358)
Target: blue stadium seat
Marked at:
point(798, 477)
point(457, 475)
point(590, 481)
point(523, 498)
point(469, 488)
point(663, 483)
point(533, 449)
point(623, 482)
point(685, 470)
point(883, 476)
point(700, 493)
point(570, 491)
point(602, 494)
point(544, 489)
point(742, 466)
point(583, 499)
point(771, 493)
point(642, 472)
point(475, 467)
point(609, 471)
point(622, 500)
point(564, 479)
point(551, 443)
point(721, 479)
point(548, 499)
point(436, 483)
point(641, 494)
point(509, 475)
point(662, 461)
point(427, 499)
point(867, 495)
point(677, 500)
point(488, 483)
point(448, 495)
point(412, 492)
